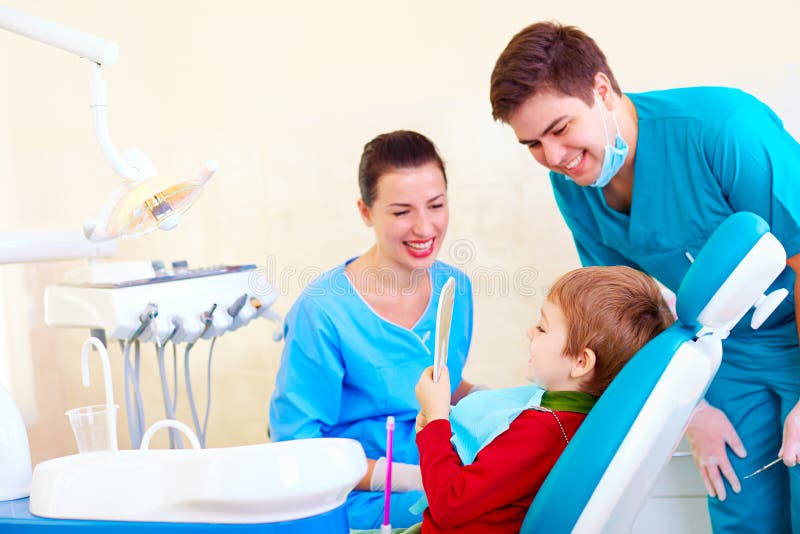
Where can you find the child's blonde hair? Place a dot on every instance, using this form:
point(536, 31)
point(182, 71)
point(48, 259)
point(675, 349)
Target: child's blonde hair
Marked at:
point(614, 311)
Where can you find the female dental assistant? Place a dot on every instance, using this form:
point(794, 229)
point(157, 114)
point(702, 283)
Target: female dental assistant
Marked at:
point(643, 180)
point(359, 336)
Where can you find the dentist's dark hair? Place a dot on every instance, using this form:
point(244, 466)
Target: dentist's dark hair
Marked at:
point(401, 149)
point(546, 56)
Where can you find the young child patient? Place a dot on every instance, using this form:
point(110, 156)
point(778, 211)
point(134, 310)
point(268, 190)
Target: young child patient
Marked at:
point(483, 462)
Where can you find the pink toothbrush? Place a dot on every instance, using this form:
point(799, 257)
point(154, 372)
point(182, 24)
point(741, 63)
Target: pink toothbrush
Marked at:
point(386, 527)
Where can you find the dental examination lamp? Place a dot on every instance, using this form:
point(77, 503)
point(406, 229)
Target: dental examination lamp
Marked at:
point(143, 202)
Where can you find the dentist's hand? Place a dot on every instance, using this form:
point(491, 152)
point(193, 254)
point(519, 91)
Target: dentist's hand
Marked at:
point(708, 432)
point(434, 397)
point(790, 448)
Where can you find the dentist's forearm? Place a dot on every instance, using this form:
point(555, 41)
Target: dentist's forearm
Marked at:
point(794, 263)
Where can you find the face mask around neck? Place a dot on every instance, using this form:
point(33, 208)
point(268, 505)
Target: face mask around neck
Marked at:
point(614, 155)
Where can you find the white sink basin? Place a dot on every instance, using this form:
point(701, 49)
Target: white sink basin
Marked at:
point(252, 484)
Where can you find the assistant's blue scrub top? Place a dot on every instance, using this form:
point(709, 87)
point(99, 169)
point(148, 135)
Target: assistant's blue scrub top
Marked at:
point(344, 368)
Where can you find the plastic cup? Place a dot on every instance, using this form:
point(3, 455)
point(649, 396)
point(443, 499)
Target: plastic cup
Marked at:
point(94, 427)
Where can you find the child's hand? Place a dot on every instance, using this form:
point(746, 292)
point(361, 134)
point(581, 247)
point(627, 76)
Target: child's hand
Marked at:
point(421, 422)
point(433, 397)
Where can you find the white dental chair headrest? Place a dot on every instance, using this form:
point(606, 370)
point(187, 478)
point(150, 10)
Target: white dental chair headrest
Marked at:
point(738, 263)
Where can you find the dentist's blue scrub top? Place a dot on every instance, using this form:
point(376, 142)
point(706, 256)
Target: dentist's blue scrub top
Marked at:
point(702, 154)
point(344, 369)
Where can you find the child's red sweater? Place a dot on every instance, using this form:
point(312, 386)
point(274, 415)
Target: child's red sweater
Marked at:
point(494, 492)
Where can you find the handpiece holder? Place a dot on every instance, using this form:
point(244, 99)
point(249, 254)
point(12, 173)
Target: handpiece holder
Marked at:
point(134, 304)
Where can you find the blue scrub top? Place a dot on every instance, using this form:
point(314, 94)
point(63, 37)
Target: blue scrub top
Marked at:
point(702, 154)
point(344, 368)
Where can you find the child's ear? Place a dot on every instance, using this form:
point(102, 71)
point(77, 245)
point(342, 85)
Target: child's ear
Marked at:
point(363, 210)
point(583, 363)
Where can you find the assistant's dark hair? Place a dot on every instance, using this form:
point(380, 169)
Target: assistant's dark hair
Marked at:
point(401, 149)
point(546, 56)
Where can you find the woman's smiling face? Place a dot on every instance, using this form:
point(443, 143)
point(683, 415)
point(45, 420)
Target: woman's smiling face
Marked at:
point(409, 216)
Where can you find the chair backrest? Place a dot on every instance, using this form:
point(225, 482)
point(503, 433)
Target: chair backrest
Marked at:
point(607, 471)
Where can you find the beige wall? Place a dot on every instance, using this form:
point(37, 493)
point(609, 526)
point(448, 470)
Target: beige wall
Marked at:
point(283, 95)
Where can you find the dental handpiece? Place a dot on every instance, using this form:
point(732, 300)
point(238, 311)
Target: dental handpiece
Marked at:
point(208, 319)
point(146, 317)
point(236, 307)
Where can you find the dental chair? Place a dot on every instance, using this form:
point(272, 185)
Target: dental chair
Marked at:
point(606, 473)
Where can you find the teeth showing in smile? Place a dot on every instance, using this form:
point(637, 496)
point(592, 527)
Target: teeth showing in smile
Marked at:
point(575, 162)
point(420, 246)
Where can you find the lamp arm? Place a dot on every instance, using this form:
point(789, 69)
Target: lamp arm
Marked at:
point(99, 119)
point(97, 50)
point(126, 214)
point(82, 44)
point(23, 247)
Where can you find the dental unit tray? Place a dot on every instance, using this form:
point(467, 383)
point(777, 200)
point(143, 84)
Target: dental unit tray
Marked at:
point(183, 305)
point(186, 274)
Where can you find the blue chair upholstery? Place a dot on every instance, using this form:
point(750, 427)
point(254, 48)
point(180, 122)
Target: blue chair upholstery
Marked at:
point(720, 256)
point(659, 387)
